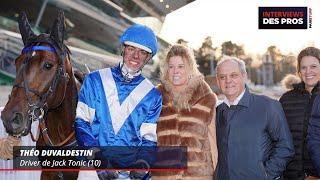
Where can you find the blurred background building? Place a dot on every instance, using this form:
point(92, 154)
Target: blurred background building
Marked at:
point(93, 28)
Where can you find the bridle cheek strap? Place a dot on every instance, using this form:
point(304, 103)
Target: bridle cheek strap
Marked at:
point(60, 74)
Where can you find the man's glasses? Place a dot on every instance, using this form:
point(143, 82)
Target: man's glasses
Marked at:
point(132, 50)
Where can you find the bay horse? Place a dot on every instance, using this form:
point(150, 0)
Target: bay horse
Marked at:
point(45, 90)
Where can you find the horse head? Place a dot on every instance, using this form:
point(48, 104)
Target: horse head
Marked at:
point(43, 71)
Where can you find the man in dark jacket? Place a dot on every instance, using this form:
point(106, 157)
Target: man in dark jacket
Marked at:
point(313, 138)
point(253, 138)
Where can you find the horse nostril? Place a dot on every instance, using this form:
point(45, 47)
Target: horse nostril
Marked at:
point(17, 118)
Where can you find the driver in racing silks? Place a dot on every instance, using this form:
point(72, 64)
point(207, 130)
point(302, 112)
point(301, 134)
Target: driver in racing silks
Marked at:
point(118, 106)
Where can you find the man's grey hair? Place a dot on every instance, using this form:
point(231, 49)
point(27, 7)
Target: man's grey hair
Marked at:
point(241, 64)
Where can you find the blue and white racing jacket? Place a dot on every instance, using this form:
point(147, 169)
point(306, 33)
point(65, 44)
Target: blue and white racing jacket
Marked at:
point(112, 112)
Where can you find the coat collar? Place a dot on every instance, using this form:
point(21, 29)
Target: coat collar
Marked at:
point(116, 71)
point(236, 101)
point(301, 88)
point(196, 89)
point(244, 101)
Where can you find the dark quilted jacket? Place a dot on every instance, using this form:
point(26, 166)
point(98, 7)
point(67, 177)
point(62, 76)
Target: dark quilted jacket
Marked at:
point(297, 105)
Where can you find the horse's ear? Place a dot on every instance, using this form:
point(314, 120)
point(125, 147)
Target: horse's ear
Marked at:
point(25, 28)
point(57, 30)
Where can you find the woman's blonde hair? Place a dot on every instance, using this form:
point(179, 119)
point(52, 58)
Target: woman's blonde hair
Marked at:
point(187, 56)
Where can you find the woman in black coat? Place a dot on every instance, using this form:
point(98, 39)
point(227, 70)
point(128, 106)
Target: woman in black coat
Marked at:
point(313, 138)
point(297, 104)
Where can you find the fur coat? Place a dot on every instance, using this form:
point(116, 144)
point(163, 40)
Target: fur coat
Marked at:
point(6, 146)
point(188, 119)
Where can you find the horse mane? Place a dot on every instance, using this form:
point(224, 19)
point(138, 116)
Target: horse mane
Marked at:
point(79, 75)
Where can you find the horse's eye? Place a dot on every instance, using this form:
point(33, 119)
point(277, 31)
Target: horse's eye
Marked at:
point(47, 66)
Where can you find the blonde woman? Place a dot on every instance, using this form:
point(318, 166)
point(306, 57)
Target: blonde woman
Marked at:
point(188, 115)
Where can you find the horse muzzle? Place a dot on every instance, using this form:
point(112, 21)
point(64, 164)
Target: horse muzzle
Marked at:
point(16, 124)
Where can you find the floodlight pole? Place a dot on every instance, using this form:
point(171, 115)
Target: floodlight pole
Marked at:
point(43, 7)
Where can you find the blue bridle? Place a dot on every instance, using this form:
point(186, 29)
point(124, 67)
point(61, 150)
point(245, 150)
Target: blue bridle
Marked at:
point(38, 48)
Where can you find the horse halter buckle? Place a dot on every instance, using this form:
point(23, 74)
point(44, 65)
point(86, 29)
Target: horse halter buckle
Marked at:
point(35, 113)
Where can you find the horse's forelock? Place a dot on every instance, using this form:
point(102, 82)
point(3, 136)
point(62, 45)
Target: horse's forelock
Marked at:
point(63, 51)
